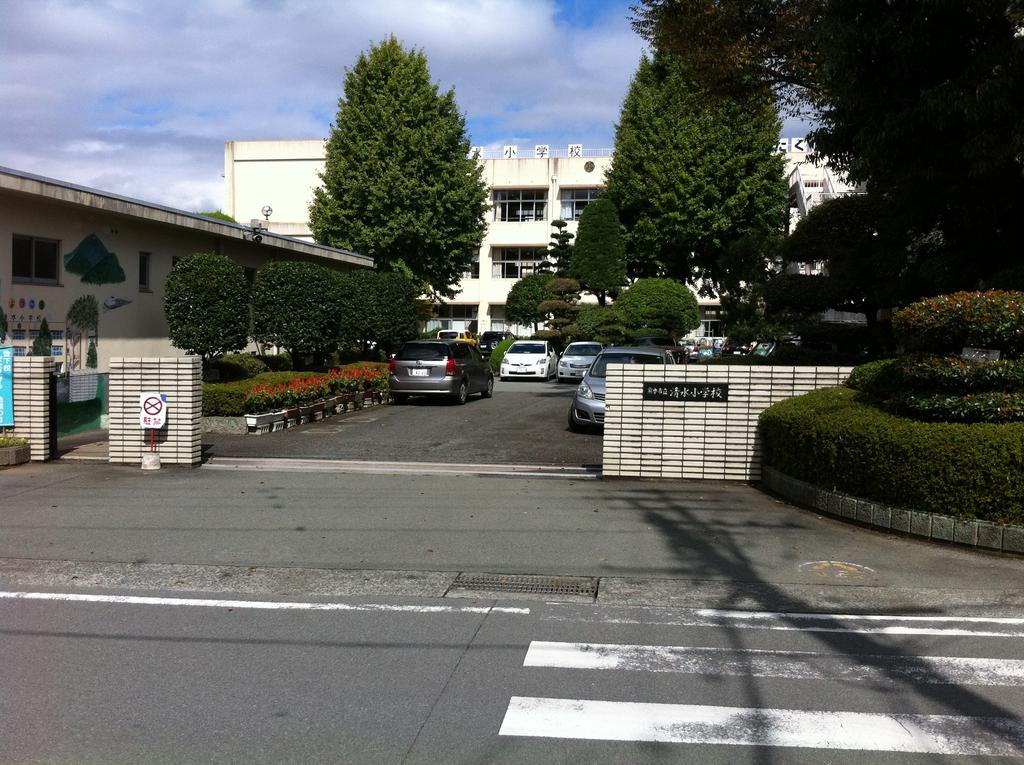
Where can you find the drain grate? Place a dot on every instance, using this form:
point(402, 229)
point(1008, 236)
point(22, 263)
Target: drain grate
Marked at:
point(527, 584)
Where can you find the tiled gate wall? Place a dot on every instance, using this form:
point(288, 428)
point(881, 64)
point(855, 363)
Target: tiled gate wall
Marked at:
point(697, 439)
point(32, 403)
point(181, 379)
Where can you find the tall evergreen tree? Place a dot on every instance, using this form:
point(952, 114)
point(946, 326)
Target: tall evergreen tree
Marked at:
point(399, 184)
point(560, 248)
point(599, 259)
point(691, 172)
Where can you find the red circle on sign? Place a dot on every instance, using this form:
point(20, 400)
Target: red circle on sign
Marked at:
point(152, 405)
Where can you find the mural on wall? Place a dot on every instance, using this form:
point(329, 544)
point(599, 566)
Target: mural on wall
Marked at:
point(94, 263)
point(83, 320)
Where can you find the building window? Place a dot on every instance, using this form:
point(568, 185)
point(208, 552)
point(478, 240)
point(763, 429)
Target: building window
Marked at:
point(57, 334)
point(144, 258)
point(56, 350)
point(473, 272)
point(574, 200)
point(517, 262)
point(518, 205)
point(34, 260)
point(17, 334)
point(19, 350)
point(449, 316)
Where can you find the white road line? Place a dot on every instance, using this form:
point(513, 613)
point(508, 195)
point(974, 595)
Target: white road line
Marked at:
point(793, 665)
point(692, 724)
point(869, 624)
point(575, 473)
point(265, 605)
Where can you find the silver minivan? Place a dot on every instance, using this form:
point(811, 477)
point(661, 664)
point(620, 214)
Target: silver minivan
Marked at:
point(437, 367)
point(587, 408)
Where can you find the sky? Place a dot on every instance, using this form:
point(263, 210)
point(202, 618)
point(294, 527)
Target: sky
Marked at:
point(137, 97)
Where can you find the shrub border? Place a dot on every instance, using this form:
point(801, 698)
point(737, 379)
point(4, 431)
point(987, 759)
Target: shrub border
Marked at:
point(984, 535)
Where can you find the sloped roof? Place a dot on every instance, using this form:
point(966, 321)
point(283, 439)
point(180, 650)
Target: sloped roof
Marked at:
point(27, 184)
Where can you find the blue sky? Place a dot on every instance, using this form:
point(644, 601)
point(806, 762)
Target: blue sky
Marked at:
point(138, 96)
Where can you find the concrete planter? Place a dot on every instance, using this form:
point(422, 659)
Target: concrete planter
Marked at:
point(14, 455)
point(264, 423)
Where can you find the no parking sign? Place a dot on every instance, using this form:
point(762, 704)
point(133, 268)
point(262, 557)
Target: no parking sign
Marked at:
point(153, 410)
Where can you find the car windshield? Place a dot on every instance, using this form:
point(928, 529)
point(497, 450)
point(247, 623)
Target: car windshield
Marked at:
point(449, 335)
point(527, 348)
point(492, 335)
point(583, 349)
point(422, 352)
point(600, 367)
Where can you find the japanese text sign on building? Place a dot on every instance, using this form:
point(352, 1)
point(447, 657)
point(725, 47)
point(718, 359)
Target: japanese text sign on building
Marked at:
point(710, 392)
point(6, 387)
point(152, 410)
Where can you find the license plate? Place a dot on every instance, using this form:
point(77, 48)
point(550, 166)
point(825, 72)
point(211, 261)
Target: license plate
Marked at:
point(419, 372)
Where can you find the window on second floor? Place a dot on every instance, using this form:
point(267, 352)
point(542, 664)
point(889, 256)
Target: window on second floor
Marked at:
point(574, 200)
point(519, 205)
point(35, 260)
point(473, 272)
point(517, 262)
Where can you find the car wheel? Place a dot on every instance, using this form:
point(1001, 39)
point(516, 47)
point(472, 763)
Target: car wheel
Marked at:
point(488, 390)
point(399, 398)
point(462, 394)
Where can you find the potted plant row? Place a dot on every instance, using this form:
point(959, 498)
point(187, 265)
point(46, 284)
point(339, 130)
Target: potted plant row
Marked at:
point(307, 399)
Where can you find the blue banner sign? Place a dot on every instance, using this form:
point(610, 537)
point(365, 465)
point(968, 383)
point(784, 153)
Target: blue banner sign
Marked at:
point(6, 387)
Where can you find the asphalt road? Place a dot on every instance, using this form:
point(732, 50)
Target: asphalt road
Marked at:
point(449, 681)
point(524, 423)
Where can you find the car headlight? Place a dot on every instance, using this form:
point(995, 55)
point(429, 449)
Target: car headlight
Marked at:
point(584, 391)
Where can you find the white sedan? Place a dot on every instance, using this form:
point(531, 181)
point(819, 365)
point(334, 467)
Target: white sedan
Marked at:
point(526, 359)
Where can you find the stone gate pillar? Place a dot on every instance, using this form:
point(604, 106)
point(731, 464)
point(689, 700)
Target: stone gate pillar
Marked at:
point(32, 415)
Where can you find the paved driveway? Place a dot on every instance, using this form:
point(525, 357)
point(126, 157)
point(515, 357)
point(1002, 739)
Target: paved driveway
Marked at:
point(524, 423)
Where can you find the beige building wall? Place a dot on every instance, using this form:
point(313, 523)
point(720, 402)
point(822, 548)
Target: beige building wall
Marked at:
point(131, 315)
point(283, 174)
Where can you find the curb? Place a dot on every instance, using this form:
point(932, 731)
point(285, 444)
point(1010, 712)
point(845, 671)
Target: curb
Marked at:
point(984, 535)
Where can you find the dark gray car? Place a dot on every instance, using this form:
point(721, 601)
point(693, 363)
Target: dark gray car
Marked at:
point(437, 367)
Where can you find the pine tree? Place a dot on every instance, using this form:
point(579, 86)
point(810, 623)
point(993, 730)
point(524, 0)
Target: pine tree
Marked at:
point(560, 248)
point(691, 172)
point(399, 184)
point(599, 259)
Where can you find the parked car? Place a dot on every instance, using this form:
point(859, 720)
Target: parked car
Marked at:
point(490, 340)
point(459, 336)
point(587, 408)
point(576, 360)
point(439, 367)
point(529, 358)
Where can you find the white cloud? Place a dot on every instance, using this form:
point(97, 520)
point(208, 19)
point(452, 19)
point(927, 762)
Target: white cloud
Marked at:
point(138, 96)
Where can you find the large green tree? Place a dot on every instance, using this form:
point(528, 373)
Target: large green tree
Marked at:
point(692, 171)
point(920, 100)
point(206, 304)
point(663, 305)
point(398, 183)
point(599, 258)
point(296, 306)
point(376, 309)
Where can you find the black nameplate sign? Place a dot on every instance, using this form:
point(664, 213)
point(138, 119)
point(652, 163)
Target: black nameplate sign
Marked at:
point(712, 392)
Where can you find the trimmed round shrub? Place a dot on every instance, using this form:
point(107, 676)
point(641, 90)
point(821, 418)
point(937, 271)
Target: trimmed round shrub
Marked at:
point(659, 304)
point(281, 362)
point(206, 305)
point(239, 366)
point(949, 323)
point(499, 353)
point(836, 439)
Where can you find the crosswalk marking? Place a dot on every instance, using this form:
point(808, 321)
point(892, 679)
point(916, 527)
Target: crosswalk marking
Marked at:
point(868, 624)
point(695, 724)
point(797, 665)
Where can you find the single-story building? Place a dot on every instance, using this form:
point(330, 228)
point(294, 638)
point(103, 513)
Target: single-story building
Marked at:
point(60, 243)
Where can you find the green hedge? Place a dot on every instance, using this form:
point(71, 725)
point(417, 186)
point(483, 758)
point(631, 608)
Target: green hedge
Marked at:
point(945, 389)
point(948, 323)
point(239, 366)
point(836, 439)
point(499, 353)
point(227, 399)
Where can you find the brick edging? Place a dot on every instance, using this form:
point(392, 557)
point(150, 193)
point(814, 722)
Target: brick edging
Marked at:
point(1007, 538)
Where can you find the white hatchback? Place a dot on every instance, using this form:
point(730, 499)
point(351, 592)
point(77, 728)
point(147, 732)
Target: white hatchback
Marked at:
point(527, 359)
